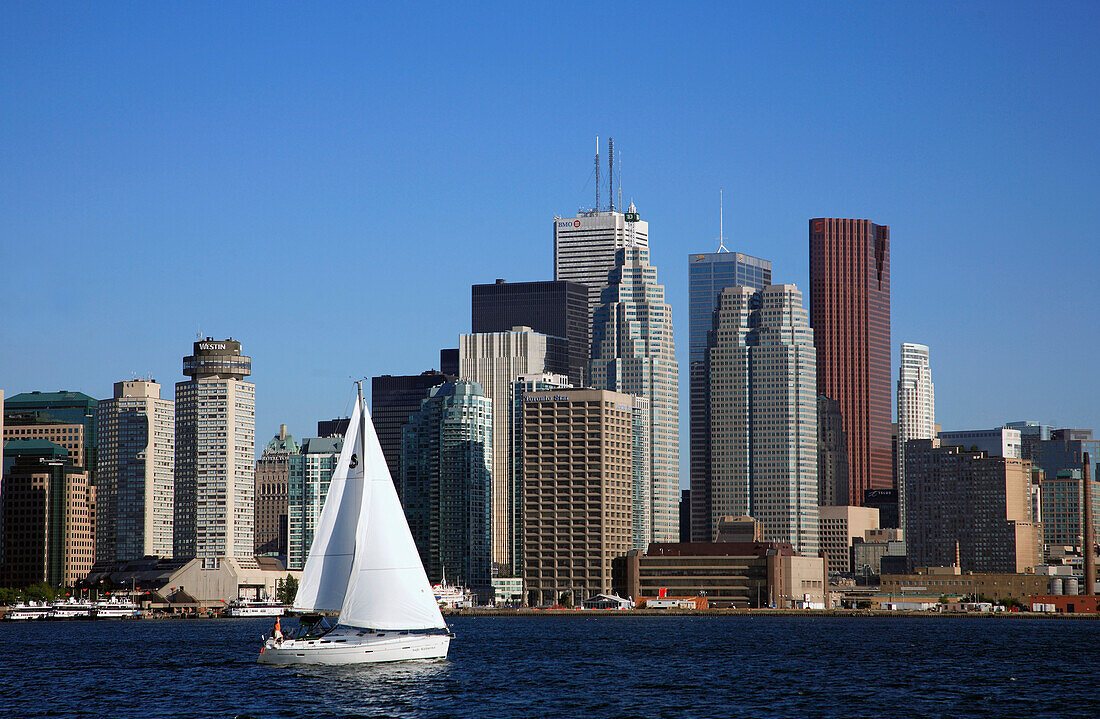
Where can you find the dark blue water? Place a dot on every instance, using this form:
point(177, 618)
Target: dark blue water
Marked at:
point(569, 666)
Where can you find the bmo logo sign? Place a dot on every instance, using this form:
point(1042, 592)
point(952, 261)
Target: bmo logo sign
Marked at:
point(569, 223)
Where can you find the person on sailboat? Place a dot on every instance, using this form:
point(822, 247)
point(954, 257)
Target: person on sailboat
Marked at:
point(278, 632)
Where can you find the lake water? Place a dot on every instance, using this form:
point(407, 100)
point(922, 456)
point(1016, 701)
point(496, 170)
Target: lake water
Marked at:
point(573, 666)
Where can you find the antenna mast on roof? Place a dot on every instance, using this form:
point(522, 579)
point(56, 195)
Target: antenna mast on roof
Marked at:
point(721, 222)
point(597, 173)
point(620, 183)
point(611, 172)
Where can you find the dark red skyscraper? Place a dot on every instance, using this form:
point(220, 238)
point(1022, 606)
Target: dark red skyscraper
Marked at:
point(850, 317)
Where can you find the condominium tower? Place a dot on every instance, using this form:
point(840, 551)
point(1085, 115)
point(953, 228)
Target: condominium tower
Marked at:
point(916, 408)
point(307, 487)
point(708, 275)
point(447, 483)
point(494, 360)
point(763, 406)
point(850, 317)
point(135, 486)
point(215, 455)
point(633, 353)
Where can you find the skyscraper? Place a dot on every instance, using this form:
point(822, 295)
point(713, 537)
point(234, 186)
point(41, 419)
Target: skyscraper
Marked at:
point(763, 423)
point(393, 399)
point(557, 309)
point(135, 490)
point(633, 353)
point(708, 275)
point(850, 317)
point(215, 455)
point(272, 498)
point(447, 484)
point(585, 246)
point(495, 360)
point(916, 407)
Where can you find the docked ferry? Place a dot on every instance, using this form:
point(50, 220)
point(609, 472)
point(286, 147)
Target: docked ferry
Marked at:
point(254, 608)
point(115, 608)
point(29, 610)
point(72, 608)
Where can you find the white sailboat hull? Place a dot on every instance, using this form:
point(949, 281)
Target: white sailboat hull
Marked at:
point(349, 647)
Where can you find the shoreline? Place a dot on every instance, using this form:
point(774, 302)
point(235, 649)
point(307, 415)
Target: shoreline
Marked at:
point(759, 613)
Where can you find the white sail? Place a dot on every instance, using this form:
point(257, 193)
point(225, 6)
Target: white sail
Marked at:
point(328, 567)
point(388, 588)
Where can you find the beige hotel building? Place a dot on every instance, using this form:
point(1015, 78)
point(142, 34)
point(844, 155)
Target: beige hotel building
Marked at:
point(578, 479)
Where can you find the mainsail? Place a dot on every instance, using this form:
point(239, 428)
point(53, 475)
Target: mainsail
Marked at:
point(363, 561)
point(328, 567)
point(388, 588)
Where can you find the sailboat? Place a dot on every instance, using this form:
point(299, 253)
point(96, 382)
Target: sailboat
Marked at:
point(363, 564)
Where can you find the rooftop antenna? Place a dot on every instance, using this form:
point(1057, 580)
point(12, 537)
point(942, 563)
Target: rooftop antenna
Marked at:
point(611, 172)
point(597, 173)
point(620, 181)
point(721, 228)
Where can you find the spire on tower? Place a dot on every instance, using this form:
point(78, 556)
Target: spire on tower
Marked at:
point(597, 173)
point(721, 229)
point(611, 172)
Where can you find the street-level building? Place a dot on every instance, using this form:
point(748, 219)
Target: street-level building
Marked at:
point(738, 575)
point(840, 528)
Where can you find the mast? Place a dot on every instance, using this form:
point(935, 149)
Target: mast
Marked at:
point(362, 422)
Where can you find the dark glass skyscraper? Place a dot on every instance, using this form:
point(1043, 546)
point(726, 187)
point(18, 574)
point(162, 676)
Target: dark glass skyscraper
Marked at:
point(393, 400)
point(558, 309)
point(850, 317)
point(708, 275)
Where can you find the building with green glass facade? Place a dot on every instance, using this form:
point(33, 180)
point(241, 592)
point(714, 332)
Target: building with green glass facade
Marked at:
point(309, 471)
point(447, 484)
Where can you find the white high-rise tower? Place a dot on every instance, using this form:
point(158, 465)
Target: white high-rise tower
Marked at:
point(916, 408)
point(585, 246)
point(215, 456)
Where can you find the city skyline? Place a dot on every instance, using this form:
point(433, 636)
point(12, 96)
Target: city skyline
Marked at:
point(981, 201)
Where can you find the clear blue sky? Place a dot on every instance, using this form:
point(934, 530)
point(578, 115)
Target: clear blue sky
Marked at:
point(325, 185)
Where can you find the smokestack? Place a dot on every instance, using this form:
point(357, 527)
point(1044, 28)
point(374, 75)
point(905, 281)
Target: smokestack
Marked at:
point(1090, 528)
